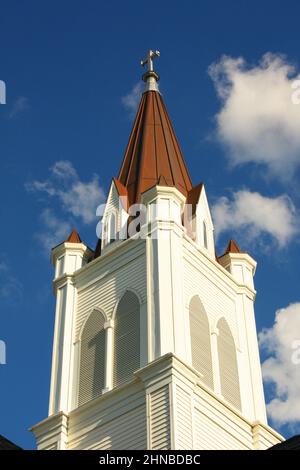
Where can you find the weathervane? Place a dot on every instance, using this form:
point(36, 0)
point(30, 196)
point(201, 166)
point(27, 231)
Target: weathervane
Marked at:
point(150, 77)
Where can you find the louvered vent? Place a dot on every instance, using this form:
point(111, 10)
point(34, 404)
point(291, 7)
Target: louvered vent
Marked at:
point(200, 341)
point(229, 376)
point(92, 358)
point(127, 339)
point(160, 419)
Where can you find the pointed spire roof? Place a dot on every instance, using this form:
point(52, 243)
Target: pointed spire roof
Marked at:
point(73, 237)
point(232, 247)
point(153, 156)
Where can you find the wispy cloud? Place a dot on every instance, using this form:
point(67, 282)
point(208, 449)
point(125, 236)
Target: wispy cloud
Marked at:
point(255, 216)
point(55, 230)
point(77, 200)
point(282, 368)
point(20, 105)
point(132, 99)
point(11, 289)
point(258, 121)
point(76, 197)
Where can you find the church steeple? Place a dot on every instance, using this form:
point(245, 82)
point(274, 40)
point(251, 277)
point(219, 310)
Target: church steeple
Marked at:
point(154, 326)
point(153, 154)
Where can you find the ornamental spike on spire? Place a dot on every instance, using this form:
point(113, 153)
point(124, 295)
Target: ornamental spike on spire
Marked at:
point(153, 156)
point(150, 77)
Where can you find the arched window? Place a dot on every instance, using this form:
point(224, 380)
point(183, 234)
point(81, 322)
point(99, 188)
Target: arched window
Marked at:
point(229, 376)
point(205, 244)
point(104, 234)
point(112, 227)
point(126, 339)
point(200, 341)
point(92, 358)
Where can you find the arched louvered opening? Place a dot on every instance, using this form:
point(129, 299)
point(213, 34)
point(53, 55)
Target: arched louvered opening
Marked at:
point(229, 376)
point(200, 341)
point(104, 234)
point(92, 358)
point(112, 227)
point(205, 243)
point(126, 339)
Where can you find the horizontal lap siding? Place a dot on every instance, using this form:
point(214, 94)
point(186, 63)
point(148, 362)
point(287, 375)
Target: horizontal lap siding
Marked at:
point(106, 292)
point(216, 302)
point(184, 419)
point(119, 425)
point(217, 427)
point(113, 205)
point(128, 432)
point(210, 436)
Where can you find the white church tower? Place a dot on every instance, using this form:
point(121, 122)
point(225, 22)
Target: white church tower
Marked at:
point(155, 343)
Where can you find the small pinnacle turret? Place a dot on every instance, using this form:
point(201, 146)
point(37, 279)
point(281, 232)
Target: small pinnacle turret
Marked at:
point(74, 237)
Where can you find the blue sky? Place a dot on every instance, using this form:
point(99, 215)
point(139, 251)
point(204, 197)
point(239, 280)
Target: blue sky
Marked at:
point(68, 68)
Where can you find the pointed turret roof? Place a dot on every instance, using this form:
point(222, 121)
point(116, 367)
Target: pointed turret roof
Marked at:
point(153, 156)
point(73, 237)
point(232, 247)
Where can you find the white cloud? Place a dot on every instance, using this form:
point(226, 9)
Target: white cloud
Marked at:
point(55, 230)
point(19, 105)
point(78, 201)
point(82, 199)
point(256, 216)
point(64, 170)
point(258, 121)
point(282, 368)
point(132, 99)
point(78, 198)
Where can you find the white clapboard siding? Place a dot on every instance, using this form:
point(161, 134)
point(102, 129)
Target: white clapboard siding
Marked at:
point(115, 421)
point(128, 270)
point(218, 302)
point(200, 341)
point(184, 419)
point(112, 204)
point(229, 376)
point(160, 419)
point(112, 210)
point(92, 358)
point(126, 339)
point(127, 431)
point(209, 435)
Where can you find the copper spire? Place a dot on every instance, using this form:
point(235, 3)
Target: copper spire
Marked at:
point(73, 237)
point(232, 247)
point(153, 155)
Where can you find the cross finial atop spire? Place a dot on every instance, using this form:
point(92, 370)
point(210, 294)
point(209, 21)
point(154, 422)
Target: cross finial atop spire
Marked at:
point(150, 77)
point(149, 60)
